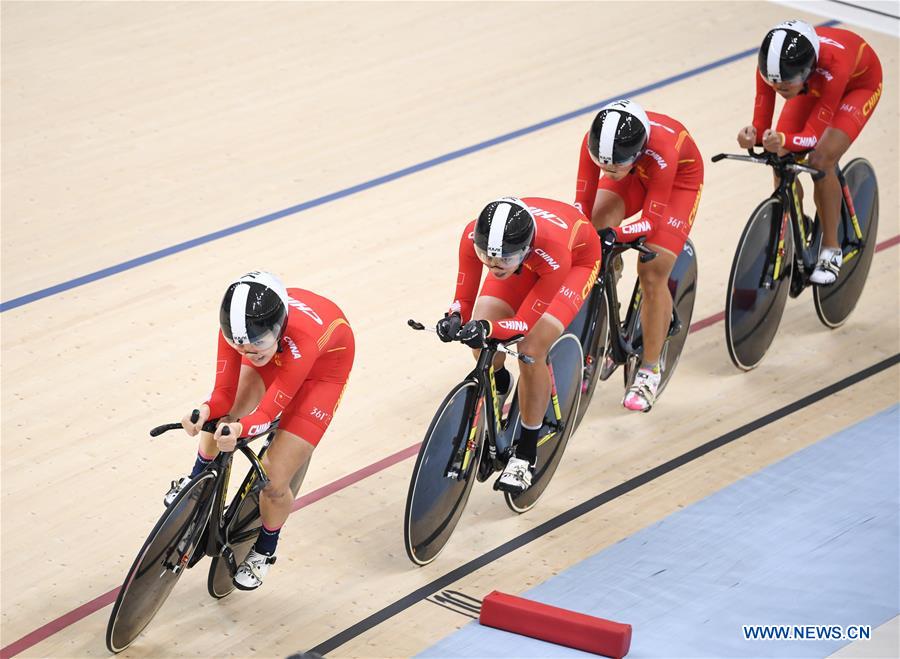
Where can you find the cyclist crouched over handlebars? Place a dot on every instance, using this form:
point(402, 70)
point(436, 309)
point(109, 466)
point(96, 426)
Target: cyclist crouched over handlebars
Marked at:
point(285, 354)
point(543, 257)
point(832, 81)
point(649, 165)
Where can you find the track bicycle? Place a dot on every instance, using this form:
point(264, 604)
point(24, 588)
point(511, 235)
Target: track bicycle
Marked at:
point(609, 342)
point(778, 250)
point(468, 440)
point(194, 525)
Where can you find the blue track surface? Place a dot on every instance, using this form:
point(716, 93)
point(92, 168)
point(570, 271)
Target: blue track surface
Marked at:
point(813, 539)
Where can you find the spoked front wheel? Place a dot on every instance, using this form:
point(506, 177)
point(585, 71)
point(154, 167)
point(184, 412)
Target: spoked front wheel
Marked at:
point(834, 303)
point(568, 363)
point(435, 501)
point(161, 562)
point(753, 310)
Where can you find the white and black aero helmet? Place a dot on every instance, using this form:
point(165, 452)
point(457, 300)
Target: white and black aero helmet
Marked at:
point(789, 52)
point(503, 232)
point(619, 133)
point(254, 310)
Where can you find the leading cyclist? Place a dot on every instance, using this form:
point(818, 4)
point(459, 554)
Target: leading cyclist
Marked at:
point(285, 354)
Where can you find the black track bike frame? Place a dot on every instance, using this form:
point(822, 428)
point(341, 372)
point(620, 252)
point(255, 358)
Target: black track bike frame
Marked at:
point(605, 291)
point(786, 194)
point(213, 510)
point(465, 447)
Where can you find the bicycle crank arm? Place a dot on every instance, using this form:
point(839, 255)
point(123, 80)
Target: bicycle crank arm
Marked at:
point(228, 555)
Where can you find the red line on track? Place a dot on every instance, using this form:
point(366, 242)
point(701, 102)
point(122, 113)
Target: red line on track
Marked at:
point(46, 631)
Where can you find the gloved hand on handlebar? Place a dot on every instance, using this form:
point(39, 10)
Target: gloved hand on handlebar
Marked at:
point(474, 333)
point(448, 327)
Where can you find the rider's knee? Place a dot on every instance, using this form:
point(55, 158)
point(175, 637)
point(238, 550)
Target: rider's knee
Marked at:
point(653, 278)
point(537, 350)
point(825, 160)
point(276, 490)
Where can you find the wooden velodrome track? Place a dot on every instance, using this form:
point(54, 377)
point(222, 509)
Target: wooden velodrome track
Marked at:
point(130, 128)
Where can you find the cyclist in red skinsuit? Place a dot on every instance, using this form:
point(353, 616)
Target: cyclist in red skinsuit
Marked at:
point(294, 369)
point(649, 165)
point(543, 257)
point(832, 81)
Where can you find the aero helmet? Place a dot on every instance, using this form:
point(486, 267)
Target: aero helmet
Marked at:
point(254, 310)
point(789, 52)
point(503, 232)
point(619, 133)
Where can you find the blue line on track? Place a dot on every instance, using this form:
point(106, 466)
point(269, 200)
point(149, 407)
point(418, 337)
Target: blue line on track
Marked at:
point(346, 192)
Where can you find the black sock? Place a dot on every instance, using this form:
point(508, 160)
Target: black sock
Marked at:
point(200, 464)
point(526, 447)
point(503, 380)
point(267, 540)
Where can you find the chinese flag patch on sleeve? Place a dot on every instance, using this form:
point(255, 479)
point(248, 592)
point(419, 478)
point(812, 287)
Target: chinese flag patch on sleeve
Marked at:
point(282, 399)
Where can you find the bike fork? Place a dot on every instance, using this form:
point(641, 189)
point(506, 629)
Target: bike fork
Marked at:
point(775, 266)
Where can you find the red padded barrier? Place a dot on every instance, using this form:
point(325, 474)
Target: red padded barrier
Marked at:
point(560, 626)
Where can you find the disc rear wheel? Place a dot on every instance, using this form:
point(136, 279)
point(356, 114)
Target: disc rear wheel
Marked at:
point(683, 286)
point(834, 303)
point(568, 363)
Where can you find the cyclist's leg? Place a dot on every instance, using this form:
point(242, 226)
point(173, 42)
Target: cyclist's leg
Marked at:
point(534, 388)
point(288, 453)
point(667, 240)
point(534, 395)
point(300, 429)
point(855, 109)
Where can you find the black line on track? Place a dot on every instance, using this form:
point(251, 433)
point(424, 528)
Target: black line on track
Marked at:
point(591, 504)
point(864, 8)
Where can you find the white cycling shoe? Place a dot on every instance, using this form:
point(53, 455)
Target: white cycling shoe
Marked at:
point(828, 267)
point(516, 476)
point(641, 395)
point(175, 490)
point(252, 570)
